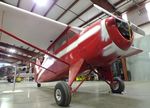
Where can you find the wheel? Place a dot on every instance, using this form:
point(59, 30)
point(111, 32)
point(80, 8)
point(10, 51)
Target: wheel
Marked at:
point(118, 85)
point(38, 85)
point(62, 94)
point(10, 80)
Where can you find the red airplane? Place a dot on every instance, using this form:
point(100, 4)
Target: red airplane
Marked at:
point(75, 51)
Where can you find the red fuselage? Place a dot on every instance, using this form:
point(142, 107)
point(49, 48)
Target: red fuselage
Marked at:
point(100, 44)
point(97, 44)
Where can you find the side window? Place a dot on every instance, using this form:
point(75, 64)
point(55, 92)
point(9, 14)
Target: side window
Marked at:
point(70, 34)
point(60, 42)
point(63, 39)
point(51, 50)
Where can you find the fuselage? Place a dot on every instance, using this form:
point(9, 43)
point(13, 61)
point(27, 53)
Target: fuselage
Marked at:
point(100, 44)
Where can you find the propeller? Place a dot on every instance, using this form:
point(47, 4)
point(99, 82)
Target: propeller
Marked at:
point(134, 27)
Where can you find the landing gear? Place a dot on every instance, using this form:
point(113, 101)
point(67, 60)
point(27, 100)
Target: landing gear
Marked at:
point(62, 94)
point(38, 85)
point(10, 80)
point(117, 86)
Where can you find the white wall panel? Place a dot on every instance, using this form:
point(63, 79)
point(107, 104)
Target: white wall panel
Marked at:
point(26, 4)
point(52, 13)
point(13, 2)
point(139, 65)
point(138, 16)
point(81, 6)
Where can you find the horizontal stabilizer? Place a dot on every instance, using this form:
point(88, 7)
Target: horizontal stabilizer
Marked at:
point(132, 51)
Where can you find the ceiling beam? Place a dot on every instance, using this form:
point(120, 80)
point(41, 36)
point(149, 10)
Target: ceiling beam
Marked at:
point(54, 2)
point(5, 57)
point(104, 4)
point(99, 14)
point(119, 2)
point(67, 9)
point(33, 7)
point(25, 51)
point(80, 14)
point(13, 54)
point(18, 3)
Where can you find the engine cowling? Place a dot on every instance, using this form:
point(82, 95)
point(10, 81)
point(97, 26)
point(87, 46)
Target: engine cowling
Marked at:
point(119, 32)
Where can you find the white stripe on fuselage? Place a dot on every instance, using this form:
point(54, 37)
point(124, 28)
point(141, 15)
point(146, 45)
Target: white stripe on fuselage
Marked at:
point(112, 49)
point(104, 33)
point(82, 38)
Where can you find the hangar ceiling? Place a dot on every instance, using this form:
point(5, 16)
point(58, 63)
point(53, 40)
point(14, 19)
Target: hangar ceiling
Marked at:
point(74, 12)
point(79, 13)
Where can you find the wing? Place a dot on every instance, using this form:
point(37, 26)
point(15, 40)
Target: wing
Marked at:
point(34, 31)
point(28, 26)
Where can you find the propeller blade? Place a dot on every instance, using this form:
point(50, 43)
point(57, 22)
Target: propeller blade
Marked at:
point(137, 29)
point(134, 27)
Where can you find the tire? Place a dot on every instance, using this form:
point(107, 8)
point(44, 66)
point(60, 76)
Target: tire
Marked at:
point(10, 80)
point(62, 94)
point(38, 85)
point(119, 86)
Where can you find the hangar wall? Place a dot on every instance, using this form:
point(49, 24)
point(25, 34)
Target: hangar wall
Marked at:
point(139, 65)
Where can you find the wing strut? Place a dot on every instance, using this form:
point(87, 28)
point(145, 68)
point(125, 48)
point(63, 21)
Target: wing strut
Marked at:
point(31, 45)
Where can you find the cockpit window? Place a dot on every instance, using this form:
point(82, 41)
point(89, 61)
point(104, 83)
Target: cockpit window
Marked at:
point(70, 34)
point(61, 42)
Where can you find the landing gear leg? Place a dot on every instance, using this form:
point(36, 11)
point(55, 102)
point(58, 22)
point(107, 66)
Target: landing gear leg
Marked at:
point(116, 84)
point(62, 92)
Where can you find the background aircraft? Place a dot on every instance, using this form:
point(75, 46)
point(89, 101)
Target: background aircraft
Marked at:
point(72, 50)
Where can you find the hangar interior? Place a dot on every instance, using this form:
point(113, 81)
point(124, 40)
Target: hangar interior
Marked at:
point(21, 91)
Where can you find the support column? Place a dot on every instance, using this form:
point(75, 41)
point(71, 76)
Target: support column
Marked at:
point(124, 68)
point(14, 82)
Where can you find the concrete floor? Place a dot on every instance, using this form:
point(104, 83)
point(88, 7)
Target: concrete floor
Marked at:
point(90, 95)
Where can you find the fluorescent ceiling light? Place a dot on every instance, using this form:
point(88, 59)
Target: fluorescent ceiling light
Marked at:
point(11, 50)
point(41, 2)
point(147, 6)
point(9, 55)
